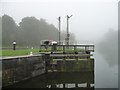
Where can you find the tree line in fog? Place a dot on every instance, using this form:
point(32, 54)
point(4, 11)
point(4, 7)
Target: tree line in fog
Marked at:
point(29, 32)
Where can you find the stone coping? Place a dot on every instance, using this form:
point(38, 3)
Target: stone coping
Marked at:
point(12, 57)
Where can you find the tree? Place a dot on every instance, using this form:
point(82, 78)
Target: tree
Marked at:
point(9, 28)
point(34, 30)
point(29, 32)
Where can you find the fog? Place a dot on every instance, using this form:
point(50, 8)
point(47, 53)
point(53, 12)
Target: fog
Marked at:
point(90, 20)
point(108, 47)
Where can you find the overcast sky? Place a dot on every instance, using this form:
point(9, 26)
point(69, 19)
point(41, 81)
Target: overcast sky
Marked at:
point(90, 20)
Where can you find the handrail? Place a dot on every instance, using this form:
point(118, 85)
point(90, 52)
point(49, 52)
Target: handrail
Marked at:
point(68, 47)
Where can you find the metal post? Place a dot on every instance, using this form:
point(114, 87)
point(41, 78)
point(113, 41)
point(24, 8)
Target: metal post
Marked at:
point(68, 35)
point(59, 19)
point(63, 49)
point(67, 31)
point(13, 46)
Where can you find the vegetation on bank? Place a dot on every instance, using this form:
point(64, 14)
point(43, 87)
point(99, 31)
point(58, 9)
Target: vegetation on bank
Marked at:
point(20, 52)
point(29, 32)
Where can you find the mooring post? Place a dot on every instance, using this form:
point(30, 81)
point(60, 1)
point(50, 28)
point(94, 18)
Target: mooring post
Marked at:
point(63, 85)
point(75, 49)
point(14, 45)
point(85, 48)
point(76, 84)
point(63, 49)
point(40, 48)
point(88, 84)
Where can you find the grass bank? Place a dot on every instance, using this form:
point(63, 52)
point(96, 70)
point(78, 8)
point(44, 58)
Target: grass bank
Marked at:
point(18, 52)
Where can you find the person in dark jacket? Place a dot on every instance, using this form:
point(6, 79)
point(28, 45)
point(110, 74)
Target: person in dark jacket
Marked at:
point(46, 43)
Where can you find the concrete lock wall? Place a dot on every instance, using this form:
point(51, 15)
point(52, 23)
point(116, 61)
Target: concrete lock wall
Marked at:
point(71, 66)
point(21, 68)
point(75, 66)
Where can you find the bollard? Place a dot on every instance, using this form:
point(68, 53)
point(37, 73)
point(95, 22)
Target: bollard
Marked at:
point(14, 45)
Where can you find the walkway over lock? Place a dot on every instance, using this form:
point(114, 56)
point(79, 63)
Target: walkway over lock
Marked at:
point(67, 48)
point(68, 58)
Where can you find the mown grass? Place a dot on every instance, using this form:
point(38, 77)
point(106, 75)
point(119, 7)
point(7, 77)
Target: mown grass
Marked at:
point(34, 51)
point(18, 52)
point(0, 52)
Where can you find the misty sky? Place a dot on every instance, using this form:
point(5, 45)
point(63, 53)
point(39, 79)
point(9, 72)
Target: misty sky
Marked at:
point(90, 20)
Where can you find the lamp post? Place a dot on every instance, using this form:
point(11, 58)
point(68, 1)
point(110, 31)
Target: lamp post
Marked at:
point(14, 45)
point(68, 35)
point(59, 19)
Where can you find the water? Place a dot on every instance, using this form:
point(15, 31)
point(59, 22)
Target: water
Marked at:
point(106, 76)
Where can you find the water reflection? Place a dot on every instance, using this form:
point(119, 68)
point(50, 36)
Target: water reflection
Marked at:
point(105, 75)
point(106, 60)
point(59, 80)
point(108, 47)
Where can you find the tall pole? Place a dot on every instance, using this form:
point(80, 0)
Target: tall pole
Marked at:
point(67, 38)
point(68, 35)
point(59, 19)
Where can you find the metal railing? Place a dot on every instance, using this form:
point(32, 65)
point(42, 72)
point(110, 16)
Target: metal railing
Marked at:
point(64, 48)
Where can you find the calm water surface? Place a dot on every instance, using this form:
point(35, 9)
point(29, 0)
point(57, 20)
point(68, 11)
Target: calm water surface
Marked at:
point(106, 76)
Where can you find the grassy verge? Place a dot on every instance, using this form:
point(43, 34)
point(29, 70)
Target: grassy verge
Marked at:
point(35, 51)
point(18, 52)
point(0, 52)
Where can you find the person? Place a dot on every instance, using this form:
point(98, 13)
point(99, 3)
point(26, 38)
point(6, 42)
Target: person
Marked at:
point(46, 43)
